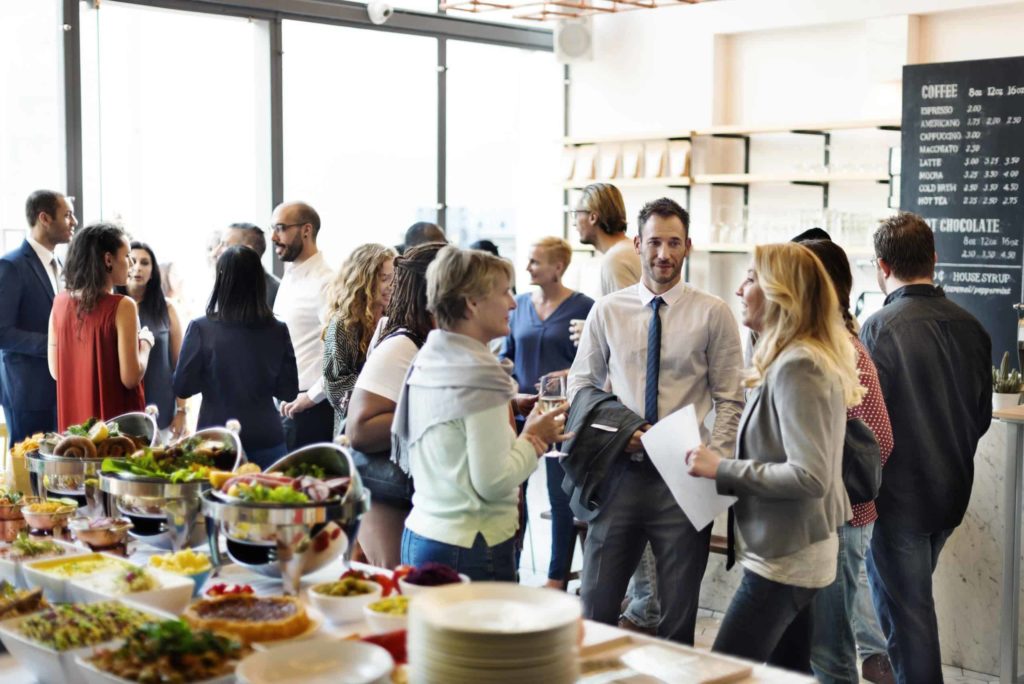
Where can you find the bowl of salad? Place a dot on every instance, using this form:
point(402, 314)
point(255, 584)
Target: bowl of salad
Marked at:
point(168, 651)
point(412, 581)
point(344, 599)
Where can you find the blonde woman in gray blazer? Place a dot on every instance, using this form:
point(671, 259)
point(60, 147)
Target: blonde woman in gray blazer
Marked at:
point(787, 473)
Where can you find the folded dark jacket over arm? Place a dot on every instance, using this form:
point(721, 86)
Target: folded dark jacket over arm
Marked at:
point(596, 454)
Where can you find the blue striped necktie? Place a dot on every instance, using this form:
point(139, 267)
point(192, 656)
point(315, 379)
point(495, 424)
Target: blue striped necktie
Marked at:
point(653, 362)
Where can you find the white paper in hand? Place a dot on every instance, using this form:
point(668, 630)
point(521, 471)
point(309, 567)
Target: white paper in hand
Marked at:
point(666, 444)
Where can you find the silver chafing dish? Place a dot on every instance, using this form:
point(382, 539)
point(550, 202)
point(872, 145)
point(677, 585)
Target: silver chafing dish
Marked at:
point(73, 477)
point(290, 540)
point(165, 514)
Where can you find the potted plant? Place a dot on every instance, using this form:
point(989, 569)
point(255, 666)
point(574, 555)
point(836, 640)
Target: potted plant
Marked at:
point(1006, 384)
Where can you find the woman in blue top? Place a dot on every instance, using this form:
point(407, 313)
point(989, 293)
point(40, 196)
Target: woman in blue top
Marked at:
point(539, 344)
point(240, 358)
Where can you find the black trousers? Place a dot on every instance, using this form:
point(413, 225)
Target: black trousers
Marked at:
point(309, 427)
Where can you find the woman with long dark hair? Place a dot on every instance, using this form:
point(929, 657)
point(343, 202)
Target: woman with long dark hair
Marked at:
point(96, 353)
point(240, 358)
point(161, 317)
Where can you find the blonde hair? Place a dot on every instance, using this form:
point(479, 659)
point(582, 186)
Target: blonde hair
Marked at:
point(456, 275)
point(351, 294)
point(801, 307)
point(557, 249)
point(605, 200)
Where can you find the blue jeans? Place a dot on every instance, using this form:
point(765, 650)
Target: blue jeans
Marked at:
point(644, 609)
point(265, 458)
point(768, 622)
point(841, 622)
point(900, 566)
point(563, 532)
point(481, 563)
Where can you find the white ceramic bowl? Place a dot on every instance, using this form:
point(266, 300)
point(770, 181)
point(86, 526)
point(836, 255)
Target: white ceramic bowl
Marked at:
point(11, 570)
point(55, 586)
point(91, 674)
point(318, 661)
point(410, 589)
point(341, 609)
point(48, 665)
point(384, 622)
point(172, 596)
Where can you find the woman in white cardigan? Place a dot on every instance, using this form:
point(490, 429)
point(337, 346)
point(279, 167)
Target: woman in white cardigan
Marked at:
point(788, 467)
point(453, 424)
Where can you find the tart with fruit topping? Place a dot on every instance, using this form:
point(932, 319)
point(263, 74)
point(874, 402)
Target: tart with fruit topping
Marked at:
point(250, 618)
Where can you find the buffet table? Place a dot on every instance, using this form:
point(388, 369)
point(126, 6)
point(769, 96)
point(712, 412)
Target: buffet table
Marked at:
point(11, 671)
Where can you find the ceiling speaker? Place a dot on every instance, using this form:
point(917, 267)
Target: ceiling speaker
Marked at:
point(574, 40)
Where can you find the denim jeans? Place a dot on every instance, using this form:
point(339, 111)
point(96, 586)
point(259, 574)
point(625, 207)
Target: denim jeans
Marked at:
point(643, 610)
point(840, 621)
point(563, 532)
point(768, 622)
point(900, 566)
point(481, 563)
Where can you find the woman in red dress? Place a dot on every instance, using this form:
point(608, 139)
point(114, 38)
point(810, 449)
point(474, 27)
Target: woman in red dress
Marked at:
point(97, 354)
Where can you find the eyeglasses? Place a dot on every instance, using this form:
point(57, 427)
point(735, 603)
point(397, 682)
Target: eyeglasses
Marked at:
point(874, 261)
point(576, 212)
point(279, 228)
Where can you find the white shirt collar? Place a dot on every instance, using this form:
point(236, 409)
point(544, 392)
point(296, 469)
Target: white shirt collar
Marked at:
point(673, 295)
point(44, 254)
point(307, 266)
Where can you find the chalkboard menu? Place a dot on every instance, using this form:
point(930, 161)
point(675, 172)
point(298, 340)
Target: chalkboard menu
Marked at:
point(963, 145)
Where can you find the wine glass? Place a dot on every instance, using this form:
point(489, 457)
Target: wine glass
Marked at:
point(552, 395)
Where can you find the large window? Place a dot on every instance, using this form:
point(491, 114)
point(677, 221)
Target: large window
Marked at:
point(31, 120)
point(360, 132)
point(175, 128)
point(504, 123)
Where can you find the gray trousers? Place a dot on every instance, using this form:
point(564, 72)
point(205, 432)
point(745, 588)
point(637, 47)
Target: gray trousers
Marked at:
point(643, 511)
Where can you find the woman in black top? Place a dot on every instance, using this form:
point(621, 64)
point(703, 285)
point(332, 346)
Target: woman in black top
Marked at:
point(240, 358)
point(159, 315)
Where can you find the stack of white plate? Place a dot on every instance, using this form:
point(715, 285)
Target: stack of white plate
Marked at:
point(493, 633)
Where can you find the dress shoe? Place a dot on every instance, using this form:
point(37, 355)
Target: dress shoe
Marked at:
point(878, 669)
point(630, 626)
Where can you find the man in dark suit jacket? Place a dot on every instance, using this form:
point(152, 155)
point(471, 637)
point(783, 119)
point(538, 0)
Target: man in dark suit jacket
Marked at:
point(30, 277)
point(251, 235)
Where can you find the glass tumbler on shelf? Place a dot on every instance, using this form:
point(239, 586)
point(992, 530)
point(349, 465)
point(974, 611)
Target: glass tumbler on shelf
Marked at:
point(552, 395)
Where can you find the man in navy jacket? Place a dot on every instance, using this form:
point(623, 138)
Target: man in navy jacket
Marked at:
point(30, 277)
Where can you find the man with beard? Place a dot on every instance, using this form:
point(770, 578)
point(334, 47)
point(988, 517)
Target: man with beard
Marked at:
point(658, 346)
point(301, 305)
point(30, 277)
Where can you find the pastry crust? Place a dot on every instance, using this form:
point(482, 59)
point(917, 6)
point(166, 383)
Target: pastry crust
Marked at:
point(250, 618)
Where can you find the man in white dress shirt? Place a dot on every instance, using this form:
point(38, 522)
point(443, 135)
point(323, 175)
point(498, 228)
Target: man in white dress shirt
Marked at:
point(660, 345)
point(30, 277)
point(300, 304)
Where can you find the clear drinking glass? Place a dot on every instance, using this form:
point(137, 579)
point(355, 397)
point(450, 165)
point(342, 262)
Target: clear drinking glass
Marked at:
point(552, 395)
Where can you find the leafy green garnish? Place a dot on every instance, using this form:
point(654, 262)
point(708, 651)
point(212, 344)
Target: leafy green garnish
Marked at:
point(258, 493)
point(311, 469)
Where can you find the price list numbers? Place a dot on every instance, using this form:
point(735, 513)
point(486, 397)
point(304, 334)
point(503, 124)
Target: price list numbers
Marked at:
point(969, 151)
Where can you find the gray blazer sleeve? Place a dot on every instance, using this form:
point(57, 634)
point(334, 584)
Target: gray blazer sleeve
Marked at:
point(796, 422)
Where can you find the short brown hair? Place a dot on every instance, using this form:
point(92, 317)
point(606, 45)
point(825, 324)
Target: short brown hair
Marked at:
point(906, 243)
point(557, 248)
point(605, 200)
point(665, 208)
point(456, 275)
